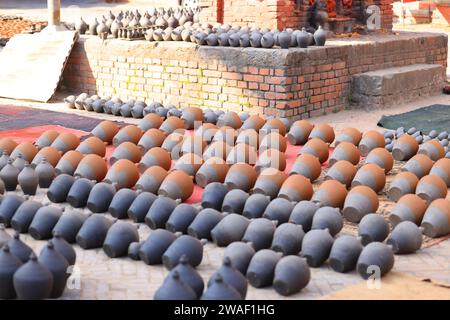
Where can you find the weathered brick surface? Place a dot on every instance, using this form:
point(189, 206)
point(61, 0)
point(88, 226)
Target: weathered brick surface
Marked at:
point(294, 82)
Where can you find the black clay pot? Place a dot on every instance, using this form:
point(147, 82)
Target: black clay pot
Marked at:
point(255, 205)
point(24, 215)
point(328, 218)
point(405, 238)
point(9, 264)
point(187, 245)
point(220, 290)
point(4, 236)
point(234, 201)
point(79, 192)
point(33, 281)
point(232, 277)
point(8, 207)
point(69, 224)
point(213, 195)
point(153, 248)
point(316, 247)
point(303, 214)
point(9, 174)
point(19, 248)
point(376, 257)
point(230, 229)
point(173, 288)
point(288, 238)
point(181, 217)
point(240, 254)
point(260, 233)
point(100, 197)
point(93, 232)
point(261, 269)
point(121, 202)
point(344, 253)
point(44, 221)
point(373, 228)
point(292, 274)
point(58, 266)
point(64, 248)
point(159, 212)
point(204, 222)
point(189, 276)
point(139, 208)
point(118, 239)
point(60, 187)
point(279, 210)
point(133, 250)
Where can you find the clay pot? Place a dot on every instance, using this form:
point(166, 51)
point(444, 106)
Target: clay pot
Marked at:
point(140, 206)
point(303, 214)
point(345, 151)
point(291, 275)
point(129, 133)
point(250, 137)
point(370, 175)
point(288, 238)
point(296, 188)
point(271, 158)
point(19, 162)
point(191, 115)
point(431, 188)
point(150, 121)
point(382, 158)
point(242, 153)
point(344, 253)
point(27, 150)
point(181, 217)
point(189, 163)
point(43, 222)
point(405, 148)
point(405, 238)
point(177, 185)
point(7, 145)
point(234, 201)
point(152, 249)
point(299, 132)
point(360, 201)
point(9, 264)
point(159, 212)
point(279, 210)
point(100, 197)
point(119, 237)
point(261, 269)
point(204, 222)
point(92, 145)
point(436, 221)
point(79, 192)
point(375, 254)
point(403, 183)
point(230, 119)
point(371, 139)
point(433, 149)
point(193, 144)
point(152, 138)
point(241, 176)
point(342, 171)
point(184, 245)
point(121, 203)
point(28, 180)
point(217, 149)
point(206, 131)
point(126, 150)
point(174, 288)
point(50, 154)
point(123, 174)
point(10, 203)
point(317, 148)
point(328, 218)
point(24, 215)
point(253, 122)
point(323, 132)
point(65, 142)
point(19, 248)
point(231, 276)
point(58, 266)
point(442, 169)
point(213, 195)
point(316, 247)
point(58, 190)
point(189, 276)
point(269, 182)
point(173, 144)
point(255, 205)
point(68, 226)
point(46, 173)
point(320, 36)
point(308, 166)
point(68, 162)
point(133, 251)
point(219, 290)
point(420, 165)
point(155, 157)
point(4, 236)
point(33, 281)
point(273, 140)
point(260, 233)
point(4, 160)
point(331, 193)
point(373, 228)
point(351, 135)
point(151, 179)
point(105, 131)
point(212, 170)
point(93, 231)
point(92, 167)
point(9, 175)
point(226, 134)
point(231, 228)
point(171, 124)
point(273, 125)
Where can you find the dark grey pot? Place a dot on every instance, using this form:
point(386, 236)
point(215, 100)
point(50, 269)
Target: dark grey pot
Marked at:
point(64, 248)
point(181, 217)
point(279, 210)
point(69, 224)
point(93, 232)
point(58, 266)
point(189, 276)
point(213, 195)
point(79, 192)
point(405, 238)
point(288, 239)
point(303, 214)
point(133, 250)
point(375, 255)
point(260, 233)
point(121, 202)
point(100, 197)
point(159, 212)
point(234, 201)
point(33, 281)
point(261, 269)
point(231, 228)
point(24, 215)
point(9, 264)
point(60, 187)
point(152, 249)
point(232, 277)
point(44, 221)
point(328, 218)
point(255, 205)
point(203, 223)
point(139, 208)
point(373, 228)
point(118, 239)
point(219, 290)
point(184, 245)
point(240, 254)
point(19, 248)
point(292, 274)
point(344, 253)
point(8, 207)
point(173, 288)
point(316, 247)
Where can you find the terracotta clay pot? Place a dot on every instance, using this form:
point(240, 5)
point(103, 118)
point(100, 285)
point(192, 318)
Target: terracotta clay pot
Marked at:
point(28, 180)
point(260, 233)
point(250, 137)
point(299, 132)
point(123, 174)
point(273, 125)
point(68, 162)
point(100, 197)
point(172, 124)
point(213, 195)
point(212, 170)
point(316, 247)
point(230, 119)
point(253, 122)
point(92, 167)
point(151, 138)
point(269, 182)
point(405, 148)
point(44, 221)
point(155, 157)
point(420, 165)
point(177, 185)
point(184, 245)
point(261, 269)
point(296, 188)
point(191, 115)
point(442, 169)
point(271, 158)
point(129, 133)
point(173, 144)
point(189, 163)
point(217, 149)
point(436, 221)
point(331, 193)
point(382, 158)
point(241, 176)
point(226, 134)
point(323, 132)
point(433, 149)
point(50, 154)
point(410, 207)
point(370, 175)
point(92, 145)
point(403, 183)
point(105, 131)
point(93, 232)
point(431, 188)
point(65, 142)
point(59, 188)
point(150, 121)
point(308, 166)
point(46, 173)
point(126, 150)
point(10, 203)
point(351, 135)
point(68, 225)
point(46, 139)
point(279, 209)
point(371, 139)
point(317, 148)
point(375, 254)
point(7, 145)
point(273, 140)
point(27, 150)
point(373, 228)
point(121, 202)
point(204, 222)
point(193, 144)
point(342, 171)
point(345, 151)
point(230, 229)
point(140, 206)
point(405, 238)
point(242, 153)
point(206, 131)
point(151, 179)
point(360, 201)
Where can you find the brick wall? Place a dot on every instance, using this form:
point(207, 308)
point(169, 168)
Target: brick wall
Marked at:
point(298, 83)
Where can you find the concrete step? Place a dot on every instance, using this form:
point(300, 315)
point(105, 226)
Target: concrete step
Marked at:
point(386, 87)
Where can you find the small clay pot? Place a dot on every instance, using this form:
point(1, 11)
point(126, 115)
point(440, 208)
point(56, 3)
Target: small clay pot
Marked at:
point(68, 162)
point(172, 124)
point(255, 205)
point(206, 131)
point(27, 150)
point(181, 217)
point(431, 188)
point(28, 180)
point(308, 166)
point(66, 141)
point(152, 249)
point(4, 160)
point(269, 182)
point(250, 137)
point(260, 272)
point(220, 290)
point(93, 232)
point(226, 134)
point(129, 133)
point(204, 222)
point(105, 131)
point(177, 185)
point(230, 119)
point(19, 162)
point(240, 255)
point(9, 175)
point(152, 138)
point(382, 158)
point(242, 153)
point(121, 202)
point(403, 183)
point(126, 150)
point(291, 275)
point(212, 170)
point(68, 225)
point(360, 201)
point(442, 169)
point(7, 145)
point(405, 148)
point(296, 188)
point(231, 276)
point(92, 167)
point(260, 233)
point(92, 145)
point(57, 265)
point(279, 210)
point(119, 237)
point(184, 245)
point(241, 176)
point(331, 193)
point(193, 144)
point(273, 140)
point(234, 201)
point(100, 197)
point(405, 238)
point(231, 228)
point(316, 247)
point(254, 122)
point(191, 115)
point(288, 238)
point(213, 195)
point(159, 212)
point(351, 135)
point(24, 215)
point(50, 154)
point(140, 206)
point(151, 179)
point(420, 165)
point(150, 121)
point(328, 218)
point(371, 139)
point(303, 214)
point(4, 236)
point(189, 163)
point(174, 288)
point(271, 158)
point(9, 264)
point(60, 187)
point(46, 139)
point(46, 173)
point(370, 175)
point(410, 207)
point(10, 203)
point(323, 132)
point(433, 149)
point(217, 149)
point(273, 125)
point(342, 171)
point(373, 228)
point(133, 251)
point(155, 157)
point(19, 248)
point(189, 276)
point(436, 221)
point(375, 254)
point(123, 174)
point(317, 148)
point(79, 192)
point(344, 253)
point(345, 151)
point(43, 222)
point(299, 132)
